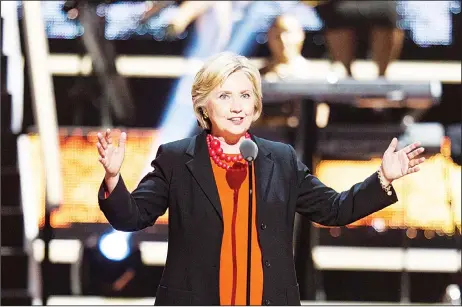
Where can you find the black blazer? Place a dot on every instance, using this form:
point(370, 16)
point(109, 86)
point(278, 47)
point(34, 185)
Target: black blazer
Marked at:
point(182, 180)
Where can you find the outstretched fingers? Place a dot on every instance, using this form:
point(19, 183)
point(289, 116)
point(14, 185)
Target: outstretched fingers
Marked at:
point(411, 147)
point(392, 147)
point(415, 153)
point(415, 162)
point(108, 136)
point(414, 169)
point(102, 141)
point(123, 140)
point(101, 151)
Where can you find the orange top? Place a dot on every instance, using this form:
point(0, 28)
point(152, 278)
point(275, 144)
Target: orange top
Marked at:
point(233, 190)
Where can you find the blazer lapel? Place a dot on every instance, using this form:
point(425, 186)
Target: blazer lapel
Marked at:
point(264, 166)
point(201, 169)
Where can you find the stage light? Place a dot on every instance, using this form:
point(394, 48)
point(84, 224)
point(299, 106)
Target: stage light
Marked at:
point(452, 295)
point(115, 245)
point(110, 265)
point(379, 225)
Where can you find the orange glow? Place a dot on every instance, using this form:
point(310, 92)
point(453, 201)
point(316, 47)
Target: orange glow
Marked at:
point(422, 197)
point(83, 174)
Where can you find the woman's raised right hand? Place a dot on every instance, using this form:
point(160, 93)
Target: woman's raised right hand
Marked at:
point(110, 155)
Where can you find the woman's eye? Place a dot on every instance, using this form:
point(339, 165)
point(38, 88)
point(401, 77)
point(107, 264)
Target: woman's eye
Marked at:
point(223, 96)
point(246, 95)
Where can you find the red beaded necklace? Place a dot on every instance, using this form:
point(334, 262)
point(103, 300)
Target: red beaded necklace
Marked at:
point(220, 158)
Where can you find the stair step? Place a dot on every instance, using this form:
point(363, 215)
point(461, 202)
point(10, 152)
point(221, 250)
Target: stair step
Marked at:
point(15, 292)
point(12, 218)
point(5, 109)
point(9, 148)
point(10, 211)
point(10, 182)
point(16, 297)
point(4, 73)
point(11, 251)
point(14, 265)
point(10, 170)
point(1, 35)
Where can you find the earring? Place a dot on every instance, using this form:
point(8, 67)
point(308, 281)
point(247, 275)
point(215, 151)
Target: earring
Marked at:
point(206, 115)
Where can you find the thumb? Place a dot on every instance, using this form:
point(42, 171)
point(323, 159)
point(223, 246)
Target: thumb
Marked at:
point(392, 146)
point(123, 140)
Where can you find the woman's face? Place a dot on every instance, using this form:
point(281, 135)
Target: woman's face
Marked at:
point(285, 39)
point(231, 106)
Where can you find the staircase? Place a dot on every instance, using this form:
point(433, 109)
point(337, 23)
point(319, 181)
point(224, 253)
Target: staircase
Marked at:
point(14, 259)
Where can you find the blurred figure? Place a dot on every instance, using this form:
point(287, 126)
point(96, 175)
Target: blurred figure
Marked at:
point(285, 41)
point(343, 18)
point(213, 21)
point(116, 95)
point(153, 8)
point(206, 15)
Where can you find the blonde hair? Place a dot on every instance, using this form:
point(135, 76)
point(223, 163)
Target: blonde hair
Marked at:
point(213, 73)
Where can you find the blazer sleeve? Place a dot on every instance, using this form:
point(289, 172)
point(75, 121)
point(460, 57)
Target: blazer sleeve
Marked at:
point(327, 207)
point(134, 211)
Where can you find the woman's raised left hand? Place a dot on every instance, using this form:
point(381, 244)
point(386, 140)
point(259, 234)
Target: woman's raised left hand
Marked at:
point(396, 164)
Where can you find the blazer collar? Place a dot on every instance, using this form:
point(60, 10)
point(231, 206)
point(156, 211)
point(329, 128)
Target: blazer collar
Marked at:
point(201, 169)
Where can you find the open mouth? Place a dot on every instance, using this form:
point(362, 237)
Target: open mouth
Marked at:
point(237, 120)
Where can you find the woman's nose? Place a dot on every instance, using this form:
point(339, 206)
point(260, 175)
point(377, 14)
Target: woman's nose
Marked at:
point(236, 106)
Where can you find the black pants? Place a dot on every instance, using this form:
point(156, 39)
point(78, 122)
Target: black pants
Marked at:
point(357, 14)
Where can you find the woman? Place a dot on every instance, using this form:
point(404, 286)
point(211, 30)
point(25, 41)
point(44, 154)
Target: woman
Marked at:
point(203, 182)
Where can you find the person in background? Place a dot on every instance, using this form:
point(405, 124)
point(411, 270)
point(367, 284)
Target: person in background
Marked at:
point(204, 183)
point(213, 21)
point(344, 18)
point(285, 41)
point(153, 8)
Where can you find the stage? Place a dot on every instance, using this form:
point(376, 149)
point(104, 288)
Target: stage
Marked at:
point(149, 301)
